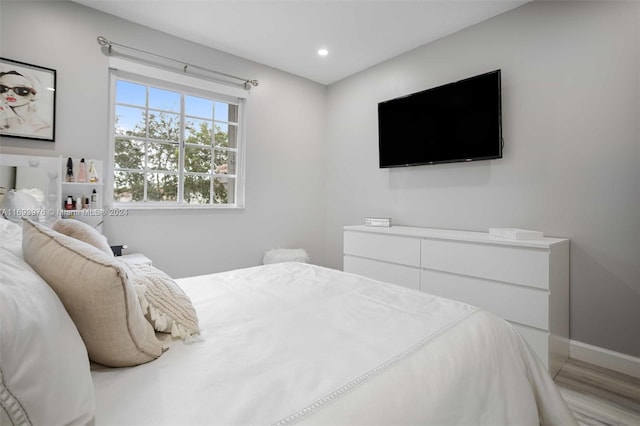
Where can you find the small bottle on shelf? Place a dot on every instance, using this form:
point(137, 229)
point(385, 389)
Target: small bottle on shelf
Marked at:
point(69, 204)
point(69, 176)
point(94, 199)
point(82, 171)
point(93, 174)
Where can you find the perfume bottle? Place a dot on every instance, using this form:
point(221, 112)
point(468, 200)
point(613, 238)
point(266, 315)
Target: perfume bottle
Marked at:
point(69, 175)
point(82, 171)
point(93, 175)
point(94, 199)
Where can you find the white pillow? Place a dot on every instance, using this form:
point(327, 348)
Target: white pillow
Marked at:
point(18, 204)
point(11, 237)
point(44, 367)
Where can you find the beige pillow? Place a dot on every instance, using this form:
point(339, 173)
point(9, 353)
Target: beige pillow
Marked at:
point(95, 290)
point(164, 303)
point(83, 232)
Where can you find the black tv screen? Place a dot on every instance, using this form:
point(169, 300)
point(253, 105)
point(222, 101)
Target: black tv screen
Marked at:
point(459, 121)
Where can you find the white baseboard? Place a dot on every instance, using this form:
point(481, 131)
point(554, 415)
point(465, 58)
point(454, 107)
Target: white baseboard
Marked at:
point(601, 357)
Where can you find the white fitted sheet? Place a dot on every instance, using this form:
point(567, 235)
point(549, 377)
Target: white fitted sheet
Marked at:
point(296, 343)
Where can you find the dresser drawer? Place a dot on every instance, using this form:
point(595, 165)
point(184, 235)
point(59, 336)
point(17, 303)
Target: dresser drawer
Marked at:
point(524, 305)
point(405, 276)
point(389, 248)
point(537, 340)
point(518, 265)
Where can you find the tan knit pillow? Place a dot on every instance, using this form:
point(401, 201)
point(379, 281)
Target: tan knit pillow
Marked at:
point(96, 292)
point(165, 304)
point(83, 232)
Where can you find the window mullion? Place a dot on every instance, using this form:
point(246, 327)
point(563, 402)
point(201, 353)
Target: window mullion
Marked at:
point(181, 151)
point(212, 186)
point(212, 173)
point(145, 166)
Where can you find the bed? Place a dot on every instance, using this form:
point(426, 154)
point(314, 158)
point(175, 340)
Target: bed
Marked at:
point(279, 344)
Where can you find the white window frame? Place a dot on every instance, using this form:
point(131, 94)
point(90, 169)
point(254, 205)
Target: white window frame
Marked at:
point(170, 80)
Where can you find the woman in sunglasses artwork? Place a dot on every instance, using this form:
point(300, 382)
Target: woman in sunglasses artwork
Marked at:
point(19, 106)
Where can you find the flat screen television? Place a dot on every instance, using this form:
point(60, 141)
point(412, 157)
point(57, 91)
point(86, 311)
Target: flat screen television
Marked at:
point(456, 122)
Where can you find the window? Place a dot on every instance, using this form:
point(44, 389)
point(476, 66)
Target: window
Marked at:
point(175, 145)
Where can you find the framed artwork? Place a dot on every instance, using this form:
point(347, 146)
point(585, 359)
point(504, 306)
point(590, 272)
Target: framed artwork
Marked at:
point(27, 101)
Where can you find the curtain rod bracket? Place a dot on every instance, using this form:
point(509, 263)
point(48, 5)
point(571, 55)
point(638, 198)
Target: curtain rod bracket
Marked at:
point(247, 84)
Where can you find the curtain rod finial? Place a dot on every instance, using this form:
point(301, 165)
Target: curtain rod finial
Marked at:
point(102, 41)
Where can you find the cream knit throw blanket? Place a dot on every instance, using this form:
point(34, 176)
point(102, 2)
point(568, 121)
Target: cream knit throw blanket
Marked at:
point(164, 303)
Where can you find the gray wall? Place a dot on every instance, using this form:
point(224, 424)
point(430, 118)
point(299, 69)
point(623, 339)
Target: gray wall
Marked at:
point(571, 113)
point(285, 139)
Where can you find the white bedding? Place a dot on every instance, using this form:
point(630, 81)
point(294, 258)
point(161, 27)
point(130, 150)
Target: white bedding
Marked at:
point(296, 343)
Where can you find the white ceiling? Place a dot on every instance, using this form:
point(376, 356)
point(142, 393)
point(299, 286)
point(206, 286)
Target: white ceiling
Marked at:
point(287, 34)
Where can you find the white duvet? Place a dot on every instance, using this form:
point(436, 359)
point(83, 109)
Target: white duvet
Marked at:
point(294, 343)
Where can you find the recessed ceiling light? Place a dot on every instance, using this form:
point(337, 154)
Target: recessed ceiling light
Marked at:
point(323, 52)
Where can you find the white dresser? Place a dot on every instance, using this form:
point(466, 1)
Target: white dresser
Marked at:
point(523, 281)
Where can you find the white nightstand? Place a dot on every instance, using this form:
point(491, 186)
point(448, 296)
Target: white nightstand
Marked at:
point(136, 259)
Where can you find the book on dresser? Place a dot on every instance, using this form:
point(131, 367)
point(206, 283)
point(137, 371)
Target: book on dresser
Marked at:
point(526, 282)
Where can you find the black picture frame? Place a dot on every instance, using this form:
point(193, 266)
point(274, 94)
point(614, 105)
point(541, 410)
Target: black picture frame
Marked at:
point(27, 101)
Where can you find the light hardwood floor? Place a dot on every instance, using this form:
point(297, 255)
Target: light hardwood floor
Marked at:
point(599, 396)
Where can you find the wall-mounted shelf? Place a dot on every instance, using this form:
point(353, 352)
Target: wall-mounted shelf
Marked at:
point(93, 215)
point(82, 183)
